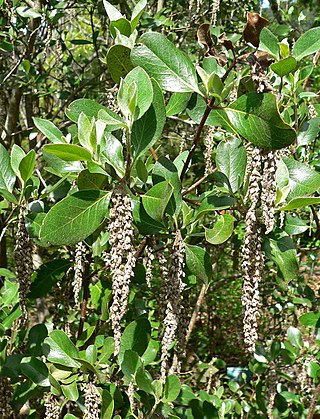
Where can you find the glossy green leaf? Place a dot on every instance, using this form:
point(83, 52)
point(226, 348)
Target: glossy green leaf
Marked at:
point(294, 225)
point(107, 405)
point(144, 381)
point(177, 103)
point(255, 116)
point(26, 165)
point(164, 169)
point(148, 129)
point(17, 154)
point(269, 42)
point(113, 152)
point(68, 152)
point(75, 217)
point(59, 349)
point(127, 100)
point(198, 262)
point(137, 12)
point(308, 132)
point(222, 229)
point(89, 107)
point(156, 200)
point(49, 130)
point(113, 120)
point(36, 370)
point(308, 43)
point(295, 337)
point(46, 276)
point(231, 160)
point(213, 203)
point(284, 67)
point(172, 389)
point(146, 225)
point(87, 180)
point(119, 62)
point(70, 391)
point(37, 335)
point(87, 132)
point(122, 25)
point(28, 12)
point(144, 90)
point(130, 364)
point(142, 171)
point(112, 12)
point(166, 63)
point(310, 319)
point(281, 250)
point(300, 202)
point(60, 167)
point(302, 179)
point(135, 337)
point(313, 370)
point(7, 175)
point(150, 353)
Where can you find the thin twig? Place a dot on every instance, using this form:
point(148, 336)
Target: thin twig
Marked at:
point(314, 401)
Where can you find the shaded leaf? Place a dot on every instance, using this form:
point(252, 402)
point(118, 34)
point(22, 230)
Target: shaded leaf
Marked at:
point(135, 337)
point(198, 262)
point(36, 370)
point(119, 62)
point(156, 200)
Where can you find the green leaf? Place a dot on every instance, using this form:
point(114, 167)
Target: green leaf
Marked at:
point(112, 12)
point(307, 44)
point(144, 90)
point(313, 370)
point(60, 167)
point(255, 116)
point(130, 363)
point(213, 203)
point(144, 381)
point(107, 405)
point(75, 217)
point(87, 133)
point(198, 262)
point(17, 154)
point(123, 26)
point(36, 370)
point(177, 103)
point(49, 130)
point(68, 152)
point(87, 180)
point(269, 42)
point(156, 200)
point(7, 175)
point(164, 169)
point(127, 99)
point(281, 250)
point(59, 349)
point(89, 107)
point(300, 202)
point(135, 337)
point(150, 353)
point(284, 67)
point(142, 171)
point(221, 230)
point(28, 12)
point(113, 152)
point(143, 221)
point(137, 12)
point(310, 319)
point(231, 160)
point(46, 276)
point(37, 335)
point(295, 225)
point(119, 62)
point(172, 389)
point(70, 391)
point(166, 63)
point(26, 165)
point(308, 132)
point(148, 129)
point(295, 337)
point(302, 179)
point(113, 120)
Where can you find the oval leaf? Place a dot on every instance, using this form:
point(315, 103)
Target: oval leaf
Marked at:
point(295, 337)
point(156, 200)
point(221, 230)
point(68, 152)
point(49, 130)
point(118, 61)
point(75, 217)
point(36, 370)
point(166, 63)
point(308, 43)
point(198, 262)
point(59, 349)
point(284, 67)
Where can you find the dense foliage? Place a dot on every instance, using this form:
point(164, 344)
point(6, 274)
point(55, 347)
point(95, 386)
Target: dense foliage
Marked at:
point(159, 212)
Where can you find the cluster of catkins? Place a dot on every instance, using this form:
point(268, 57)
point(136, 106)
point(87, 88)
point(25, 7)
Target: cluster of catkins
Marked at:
point(122, 257)
point(261, 193)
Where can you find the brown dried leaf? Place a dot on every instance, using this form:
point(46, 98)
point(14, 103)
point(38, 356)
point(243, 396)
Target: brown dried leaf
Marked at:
point(255, 24)
point(204, 36)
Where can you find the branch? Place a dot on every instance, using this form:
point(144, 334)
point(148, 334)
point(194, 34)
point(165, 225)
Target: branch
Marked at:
point(314, 401)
